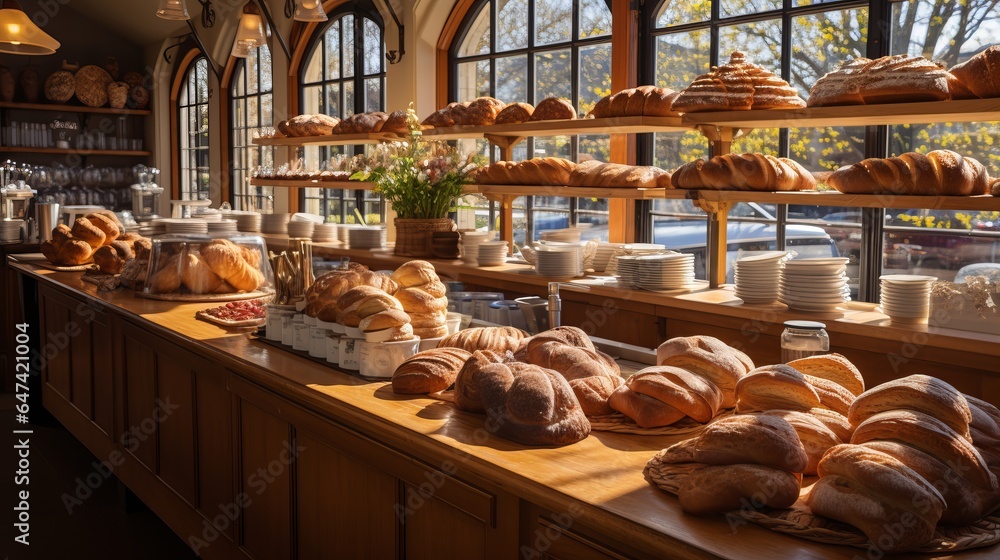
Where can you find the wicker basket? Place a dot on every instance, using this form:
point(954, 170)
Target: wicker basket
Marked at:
point(413, 236)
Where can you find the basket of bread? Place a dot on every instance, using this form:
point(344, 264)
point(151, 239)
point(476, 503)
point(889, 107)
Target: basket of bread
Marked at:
point(202, 268)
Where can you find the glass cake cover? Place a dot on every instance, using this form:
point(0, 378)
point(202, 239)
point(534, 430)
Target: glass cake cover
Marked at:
point(204, 265)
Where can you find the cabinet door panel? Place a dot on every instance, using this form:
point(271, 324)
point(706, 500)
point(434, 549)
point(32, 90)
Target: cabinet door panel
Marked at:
point(175, 425)
point(140, 396)
point(56, 346)
point(82, 368)
point(345, 508)
point(215, 446)
point(435, 529)
point(264, 442)
point(103, 359)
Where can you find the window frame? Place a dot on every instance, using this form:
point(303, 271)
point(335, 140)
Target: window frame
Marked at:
point(183, 109)
point(262, 195)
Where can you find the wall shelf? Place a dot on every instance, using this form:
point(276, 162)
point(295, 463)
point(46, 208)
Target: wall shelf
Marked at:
point(330, 139)
point(54, 107)
point(312, 184)
point(84, 152)
point(612, 125)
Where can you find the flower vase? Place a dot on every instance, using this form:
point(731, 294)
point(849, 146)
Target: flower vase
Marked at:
point(413, 235)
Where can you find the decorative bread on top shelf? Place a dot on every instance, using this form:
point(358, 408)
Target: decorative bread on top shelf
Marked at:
point(553, 109)
point(889, 79)
point(515, 113)
point(650, 101)
point(938, 173)
point(478, 112)
point(739, 85)
point(361, 123)
point(981, 73)
point(308, 125)
point(745, 172)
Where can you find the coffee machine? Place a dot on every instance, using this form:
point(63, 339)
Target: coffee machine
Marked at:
point(146, 193)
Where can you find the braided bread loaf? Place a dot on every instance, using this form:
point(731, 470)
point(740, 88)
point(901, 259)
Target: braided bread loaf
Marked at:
point(941, 172)
point(747, 172)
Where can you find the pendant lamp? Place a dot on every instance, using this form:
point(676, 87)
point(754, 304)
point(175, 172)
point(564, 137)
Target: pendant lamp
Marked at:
point(20, 35)
point(309, 11)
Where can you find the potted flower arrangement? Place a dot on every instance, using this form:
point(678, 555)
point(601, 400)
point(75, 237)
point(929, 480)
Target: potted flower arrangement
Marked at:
point(421, 179)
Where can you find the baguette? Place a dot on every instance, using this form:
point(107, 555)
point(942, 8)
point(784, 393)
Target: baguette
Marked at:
point(746, 172)
point(940, 172)
point(595, 173)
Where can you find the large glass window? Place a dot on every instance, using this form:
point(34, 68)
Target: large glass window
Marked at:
point(527, 50)
point(344, 74)
point(192, 115)
point(252, 107)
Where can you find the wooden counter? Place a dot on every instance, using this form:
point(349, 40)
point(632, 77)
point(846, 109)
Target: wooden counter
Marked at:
point(377, 475)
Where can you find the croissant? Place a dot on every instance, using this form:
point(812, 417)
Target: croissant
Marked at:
point(226, 260)
point(941, 172)
point(747, 172)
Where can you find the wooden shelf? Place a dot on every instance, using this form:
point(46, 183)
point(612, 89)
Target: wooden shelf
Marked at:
point(499, 191)
point(312, 183)
point(79, 151)
point(330, 140)
point(73, 109)
point(833, 198)
point(964, 110)
point(616, 125)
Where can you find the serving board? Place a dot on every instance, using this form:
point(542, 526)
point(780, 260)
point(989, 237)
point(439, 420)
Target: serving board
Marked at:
point(204, 316)
point(207, 298)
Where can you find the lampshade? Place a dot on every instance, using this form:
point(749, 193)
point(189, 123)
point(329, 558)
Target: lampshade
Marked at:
point(250, 33)
point(309, 10)
point(19, 35)
point(172, 9)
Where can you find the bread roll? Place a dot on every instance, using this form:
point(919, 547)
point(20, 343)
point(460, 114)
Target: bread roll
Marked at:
point(387, 319)
point(110, 227)
point(717, 489)
point(915, 392)
point(322, 296)
point(940, 172)
point(361, 123)
point(834, 367)
point(553, 108)
point(687, 392)
point(496, 339)
point(814, 436)
point(415, 273)
point(889, 502)
point(532, 405)
point(831, 395)
point(225, 259)
point(469, 382)
point(429, 371)
point(981, 73)
point(931, 436)
point(427, 333)
point(746, 172)
point(310, 125)
point(84, 230)
point(515, 113)
point(482, 111)
point(599, 174)
point(756, 438)
point(708, 357)
point(419, 301)
point(775, 387)
point(593, 393)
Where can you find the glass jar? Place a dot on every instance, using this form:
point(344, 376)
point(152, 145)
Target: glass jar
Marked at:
point(802, 339)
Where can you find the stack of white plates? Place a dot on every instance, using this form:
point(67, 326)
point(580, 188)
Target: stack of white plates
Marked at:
point(470, 244)
point(604, 260)
point(565, 235)
point(300, 228)
point(905, 297)
point(222, 226)
point(155, 227)
point(274, 223)
point(757, 276)
point(492, 253)
point(247, 221)
point(10, 230)
point(367, 237)
point(184, 225)
point(344, 232)
point(324, 233)
point(208, 215)
point(814, 284)
point(559, 261)
point(670, 271)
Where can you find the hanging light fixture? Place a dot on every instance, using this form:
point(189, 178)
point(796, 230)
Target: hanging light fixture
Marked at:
point(309, 11)
point(20, 35)
point(250, 32)
point(173, 10)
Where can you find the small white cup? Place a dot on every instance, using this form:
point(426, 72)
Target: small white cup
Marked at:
point(454, 322)
point(380, 359)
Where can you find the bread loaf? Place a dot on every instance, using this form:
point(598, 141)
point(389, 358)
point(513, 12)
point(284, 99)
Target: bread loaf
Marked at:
point(931, 436)
point(775, 387)
point(415, 273)
point(361, 123)
point(532, 405)
point(310, 125)
point(167, 278)
point(889, 79)
point(814, 436)
point(515, 113)
point(641, 101)
point(644, 410)
point(322, 296)
point(737, 85)
point(566, 334)
point(918, 392)
point(708, 357)
point(831, 395)
point(71, 252)
point(985, 417)
point(397, 122)
point(538, 171)
point(381, 320)
point(981, 73)
point(553, 108)
point(482, 111)
point(497, 339)
point(889, 502)
point(837, 422)
point(940, 172)
point(747, 172)
point(595, 173)
point(225, 258)
point(429, 371)
point(684, 391)
point(594, 393)
point(834, 367)
point(570, 361)
point(417, 300)
point(754, 438)
point(469, 382)
point(718, 489)
point(88, 232)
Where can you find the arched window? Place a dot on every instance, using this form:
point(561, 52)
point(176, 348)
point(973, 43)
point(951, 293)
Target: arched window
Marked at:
point(192, 120)
point(251, 107)
point(344, 74)
point(527, 50)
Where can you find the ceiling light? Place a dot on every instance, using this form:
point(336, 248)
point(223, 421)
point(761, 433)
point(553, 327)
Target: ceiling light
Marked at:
point(250, 33)
point(309, 10)
point(19, 35)
point(172, 9)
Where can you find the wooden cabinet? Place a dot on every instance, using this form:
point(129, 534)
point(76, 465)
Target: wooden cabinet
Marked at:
point(77, 374)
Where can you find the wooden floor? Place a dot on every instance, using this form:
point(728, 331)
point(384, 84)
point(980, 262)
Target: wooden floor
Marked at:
point(100, 527)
